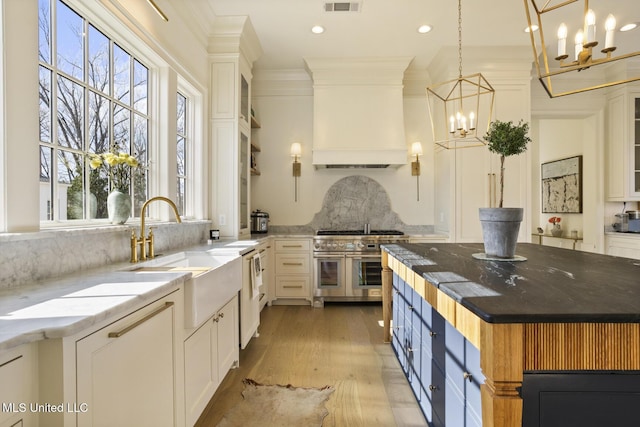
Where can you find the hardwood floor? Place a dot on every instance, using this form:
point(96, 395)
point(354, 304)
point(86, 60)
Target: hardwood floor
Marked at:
point(339, 345)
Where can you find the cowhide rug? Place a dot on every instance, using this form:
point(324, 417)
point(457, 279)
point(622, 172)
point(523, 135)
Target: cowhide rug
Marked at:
point(278, 405)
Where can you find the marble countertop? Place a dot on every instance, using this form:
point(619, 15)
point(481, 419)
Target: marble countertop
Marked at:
point(64, 306)
point(552, 285)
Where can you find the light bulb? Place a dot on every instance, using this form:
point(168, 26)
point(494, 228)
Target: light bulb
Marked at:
point(590, 21)
point(296, 149)
point(610, 27)
point(578, 41)
point(562, 39)
point(416, 149)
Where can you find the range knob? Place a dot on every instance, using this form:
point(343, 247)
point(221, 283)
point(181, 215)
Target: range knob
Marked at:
point(360, 244)
point(316, 245)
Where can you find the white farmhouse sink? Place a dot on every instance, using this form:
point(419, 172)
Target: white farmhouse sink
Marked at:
point(215, 280)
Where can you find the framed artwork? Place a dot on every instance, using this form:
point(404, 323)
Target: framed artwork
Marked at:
point(562, 186)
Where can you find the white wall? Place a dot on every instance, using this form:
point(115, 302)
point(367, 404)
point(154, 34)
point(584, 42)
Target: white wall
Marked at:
point(286, 116)
point(558, 138)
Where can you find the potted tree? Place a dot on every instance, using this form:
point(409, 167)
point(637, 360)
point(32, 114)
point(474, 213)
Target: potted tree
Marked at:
point(500, 225)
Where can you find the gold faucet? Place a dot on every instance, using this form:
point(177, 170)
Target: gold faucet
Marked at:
point(142, 240)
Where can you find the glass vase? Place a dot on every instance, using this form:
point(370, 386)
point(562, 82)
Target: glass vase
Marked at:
point(118, 207)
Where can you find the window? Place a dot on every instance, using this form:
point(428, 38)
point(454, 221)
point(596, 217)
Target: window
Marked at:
point(182, 149)
point(93, 99)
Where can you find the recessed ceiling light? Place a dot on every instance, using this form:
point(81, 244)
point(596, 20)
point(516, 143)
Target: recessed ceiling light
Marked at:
point(423, 29)
point(530, 29)
point(629, 27)
point(317, 29)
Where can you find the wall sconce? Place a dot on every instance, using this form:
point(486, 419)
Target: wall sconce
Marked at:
point(416, 150)
point(296, 152)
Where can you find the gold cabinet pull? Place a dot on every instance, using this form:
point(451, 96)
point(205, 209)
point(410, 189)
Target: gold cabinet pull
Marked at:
point(291, 246)
point(292, 263)
point(292, 287)
point(141, 321)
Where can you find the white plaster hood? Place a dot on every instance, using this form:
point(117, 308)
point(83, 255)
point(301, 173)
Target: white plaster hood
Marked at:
point(358, 117)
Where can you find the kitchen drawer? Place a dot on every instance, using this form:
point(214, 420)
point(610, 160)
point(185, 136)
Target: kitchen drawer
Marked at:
point(292, 286)
point(289, 245)
point(292, 264)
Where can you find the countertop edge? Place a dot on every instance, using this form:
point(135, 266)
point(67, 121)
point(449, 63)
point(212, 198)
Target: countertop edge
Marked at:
point(400, 253)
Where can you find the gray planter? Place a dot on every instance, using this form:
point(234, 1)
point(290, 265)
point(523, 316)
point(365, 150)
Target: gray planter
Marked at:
point(500, 228)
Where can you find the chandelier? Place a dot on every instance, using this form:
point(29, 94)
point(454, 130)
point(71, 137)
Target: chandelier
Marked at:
point(460, 110)
point(588, 52)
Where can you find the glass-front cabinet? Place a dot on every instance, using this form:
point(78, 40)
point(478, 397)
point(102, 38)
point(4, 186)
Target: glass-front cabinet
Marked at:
point(636, 143)
point(244, 99)
point(243, 161)
point(623, 145)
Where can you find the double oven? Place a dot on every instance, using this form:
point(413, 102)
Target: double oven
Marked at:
point(347, 264)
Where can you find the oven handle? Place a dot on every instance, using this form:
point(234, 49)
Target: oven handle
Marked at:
point(363, 256)
point(325, 255)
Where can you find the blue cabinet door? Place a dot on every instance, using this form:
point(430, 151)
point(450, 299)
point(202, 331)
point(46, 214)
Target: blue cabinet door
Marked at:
point(415, 347)
point(438, 395)
point(472, 385)
point(442, 367)
point(397, 340)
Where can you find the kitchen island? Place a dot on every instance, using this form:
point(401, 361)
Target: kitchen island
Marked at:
point(561, 324)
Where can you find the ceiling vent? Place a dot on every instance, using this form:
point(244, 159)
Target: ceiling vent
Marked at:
point(342, 7)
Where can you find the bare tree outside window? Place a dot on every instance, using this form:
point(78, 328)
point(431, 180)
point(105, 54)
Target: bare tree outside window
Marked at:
point(181, 149)
point(93, 99)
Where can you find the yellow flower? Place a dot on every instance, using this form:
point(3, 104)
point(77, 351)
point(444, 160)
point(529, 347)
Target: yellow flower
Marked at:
point(119, 165)
point(96, 161)
point(110, 158)
point(132, 161)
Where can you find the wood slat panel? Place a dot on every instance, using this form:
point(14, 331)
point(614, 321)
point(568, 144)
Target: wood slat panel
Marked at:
point(419, 285)
point(446, 306)
point(582, 346)
point(468, 324)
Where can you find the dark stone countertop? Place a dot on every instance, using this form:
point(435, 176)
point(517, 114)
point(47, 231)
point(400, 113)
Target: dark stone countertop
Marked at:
point(552, 286)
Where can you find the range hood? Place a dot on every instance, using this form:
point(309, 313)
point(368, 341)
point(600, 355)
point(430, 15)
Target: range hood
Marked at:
point(358, 115)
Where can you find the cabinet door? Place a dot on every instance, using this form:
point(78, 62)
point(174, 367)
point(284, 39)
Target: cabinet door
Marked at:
point(616, 146)
point(16, 386)
point(200, 370)
point(627, 247)
point(243, 165)
point(292, 263)
point(474, 179)
point(266, 293)
point(125, 372)
point(397, 318)
point(635, 148)
point(249, 304)
point(228, 353)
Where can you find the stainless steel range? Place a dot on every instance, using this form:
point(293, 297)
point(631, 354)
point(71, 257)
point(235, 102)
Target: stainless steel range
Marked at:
point(347, 264)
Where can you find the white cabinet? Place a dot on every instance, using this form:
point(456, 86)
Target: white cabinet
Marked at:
point(18, 386)
point(231, 138)
point(623, 145)
point(627, 246)
point(209, 353)
point(235, 50)
point(467, 179)
point(125, 372)
point(293, 268)
point(428, 239)
point(249, 303)
point(476, 184)
point(266, 257)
